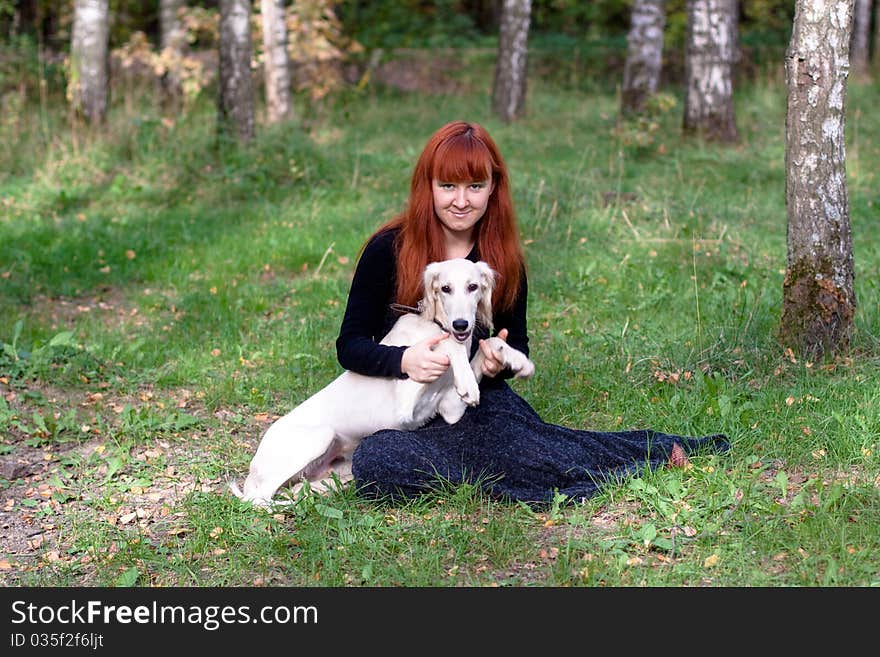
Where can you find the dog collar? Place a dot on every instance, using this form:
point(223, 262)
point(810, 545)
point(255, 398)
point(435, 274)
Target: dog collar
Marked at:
point(400, 308)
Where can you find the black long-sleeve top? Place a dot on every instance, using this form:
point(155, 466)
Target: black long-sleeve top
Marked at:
point(369, 315)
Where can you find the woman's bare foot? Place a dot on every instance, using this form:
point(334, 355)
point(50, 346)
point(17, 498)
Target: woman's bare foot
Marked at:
point(677, 457)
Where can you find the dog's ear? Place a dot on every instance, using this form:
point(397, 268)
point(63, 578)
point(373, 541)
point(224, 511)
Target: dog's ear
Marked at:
point(431, 306)
point(487, 285)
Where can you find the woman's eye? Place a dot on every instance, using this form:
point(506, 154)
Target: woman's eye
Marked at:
point(446, 289)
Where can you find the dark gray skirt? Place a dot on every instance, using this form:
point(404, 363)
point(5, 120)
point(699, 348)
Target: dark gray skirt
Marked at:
point(506, 448)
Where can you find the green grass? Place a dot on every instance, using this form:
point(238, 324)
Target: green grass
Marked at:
point(162, 300)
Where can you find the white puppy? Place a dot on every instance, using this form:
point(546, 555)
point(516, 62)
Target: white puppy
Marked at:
point(316, 439)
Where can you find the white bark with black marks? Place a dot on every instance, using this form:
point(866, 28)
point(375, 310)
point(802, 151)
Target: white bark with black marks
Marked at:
point(88, 87)
point(509, 89)
point(277, 64)
point(709, 60)
point(236, 98)
point(818, 295)
point(644, 55)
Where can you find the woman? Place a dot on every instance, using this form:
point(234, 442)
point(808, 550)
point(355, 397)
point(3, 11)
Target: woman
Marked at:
point(460, 207)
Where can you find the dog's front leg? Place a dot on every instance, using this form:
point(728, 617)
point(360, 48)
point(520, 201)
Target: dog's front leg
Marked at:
point(466, 385)
point(511, 358)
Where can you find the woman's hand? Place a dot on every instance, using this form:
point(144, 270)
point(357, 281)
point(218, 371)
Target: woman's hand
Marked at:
point(421, 363)
point(492, 361)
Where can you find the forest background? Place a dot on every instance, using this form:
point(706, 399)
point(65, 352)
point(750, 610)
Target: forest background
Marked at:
point(165, 296)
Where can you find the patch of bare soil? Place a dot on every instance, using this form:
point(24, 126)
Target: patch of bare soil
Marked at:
point(415, 71)
point(106, 304)
point(81, 477)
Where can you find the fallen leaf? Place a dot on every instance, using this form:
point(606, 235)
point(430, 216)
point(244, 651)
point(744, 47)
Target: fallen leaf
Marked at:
point(127, 518)
point(710, 561)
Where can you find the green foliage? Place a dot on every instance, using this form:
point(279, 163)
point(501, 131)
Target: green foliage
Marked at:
point(642, 130)
point(408, 23)
point(163, 299)
point(577, 18)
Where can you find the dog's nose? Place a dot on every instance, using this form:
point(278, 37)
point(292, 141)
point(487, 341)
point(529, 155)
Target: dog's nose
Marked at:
point(460, 325)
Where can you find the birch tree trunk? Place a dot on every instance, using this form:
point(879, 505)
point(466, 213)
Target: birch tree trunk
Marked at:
point(88, 87)
point(859, 57)
point(509, 89)
point(171, 32)
point(876, 56)
point(172, 43)
point(709, 58)
point(818, 297)
point(277, 64)
point(236, 98)
point(644, 56)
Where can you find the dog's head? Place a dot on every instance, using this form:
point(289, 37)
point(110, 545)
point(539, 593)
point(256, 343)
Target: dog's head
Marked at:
point(458, 295)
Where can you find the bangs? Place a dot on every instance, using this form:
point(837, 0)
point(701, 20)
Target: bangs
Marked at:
point(463, 158)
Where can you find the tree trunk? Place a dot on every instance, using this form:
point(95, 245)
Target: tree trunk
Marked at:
point(88, 87)
point(171, 32)
point(859, 57)
point(172, 43)
point(509, 89)
point(644, 56)
point(876, 56)
point(236, 98)
point(818, 297)
point(709, 59)
point(277, 65)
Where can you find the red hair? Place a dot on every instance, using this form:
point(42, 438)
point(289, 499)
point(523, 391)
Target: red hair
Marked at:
point(458, 152)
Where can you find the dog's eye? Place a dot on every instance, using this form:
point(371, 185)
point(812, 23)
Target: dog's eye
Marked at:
point(446, 289)
point(473, 287)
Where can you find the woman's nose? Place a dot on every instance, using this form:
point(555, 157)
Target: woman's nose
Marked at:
point(460, 197)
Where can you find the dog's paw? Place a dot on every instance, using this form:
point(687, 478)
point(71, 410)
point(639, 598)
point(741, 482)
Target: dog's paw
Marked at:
point(517, 362)
point(522, 368)
point(470, 394)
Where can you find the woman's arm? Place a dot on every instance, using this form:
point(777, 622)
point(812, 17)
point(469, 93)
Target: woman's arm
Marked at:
point(365, 321)
point(515, 320)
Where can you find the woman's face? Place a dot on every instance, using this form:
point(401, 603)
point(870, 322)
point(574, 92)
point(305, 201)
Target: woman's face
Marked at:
point(460, 205)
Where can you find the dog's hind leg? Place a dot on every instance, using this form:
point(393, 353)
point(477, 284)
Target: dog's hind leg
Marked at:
point(333, 477)
point(286, 452)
